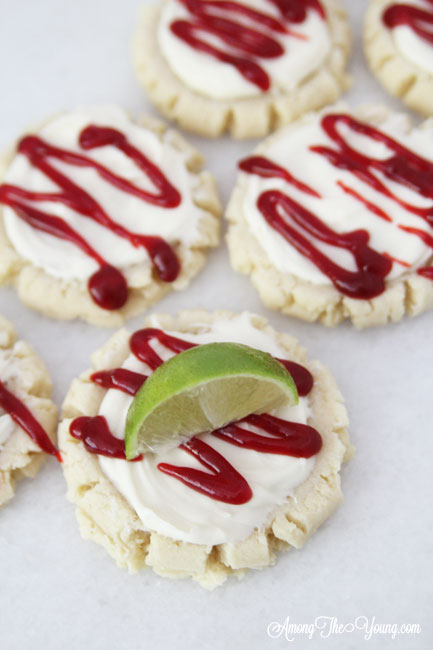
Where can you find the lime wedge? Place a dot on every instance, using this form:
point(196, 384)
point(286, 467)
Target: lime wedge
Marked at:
point(202, 389)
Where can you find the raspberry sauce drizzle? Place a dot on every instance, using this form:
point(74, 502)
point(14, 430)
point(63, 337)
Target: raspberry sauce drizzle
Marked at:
point(366, 283)
point(97, 438)
point(107, 286)
point(414, 17)
point(224, 483)
point(120, 378)
point(301, 376)
point(245, 43)
point(291, 438)
point(426, 272)
point(130, 382)
point(26, 421)
point(403, 167)
point(140, 347)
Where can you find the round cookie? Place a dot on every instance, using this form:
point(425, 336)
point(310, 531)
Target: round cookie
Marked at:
point(332, 217)
point(398, 44)
point(101, 215)
point(146, 517)
point(28, 417)
point(246, 68)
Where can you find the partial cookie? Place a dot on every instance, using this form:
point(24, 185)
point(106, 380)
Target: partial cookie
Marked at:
point(28, 417)
point(398, 43)
point(246, 68)
point(332, 217)
point(102, 215)
point(146, 517)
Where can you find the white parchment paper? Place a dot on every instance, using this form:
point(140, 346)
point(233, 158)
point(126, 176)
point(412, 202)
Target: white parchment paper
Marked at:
point(371, 559)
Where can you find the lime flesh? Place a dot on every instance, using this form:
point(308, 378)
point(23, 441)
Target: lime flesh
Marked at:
point(202, 389)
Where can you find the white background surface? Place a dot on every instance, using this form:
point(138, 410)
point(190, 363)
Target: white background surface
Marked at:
point(372, 558)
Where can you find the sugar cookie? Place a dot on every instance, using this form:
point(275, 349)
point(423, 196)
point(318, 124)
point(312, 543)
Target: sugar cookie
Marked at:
point(246, 67)
point(146, 516)
point(102, 215)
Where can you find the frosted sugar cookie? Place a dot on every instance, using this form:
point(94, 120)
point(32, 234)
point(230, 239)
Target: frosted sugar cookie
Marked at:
point(180, 511)
point(101, 215)
point(332, 217)
point(246, 67)
point(28, 417)
point(398, 42)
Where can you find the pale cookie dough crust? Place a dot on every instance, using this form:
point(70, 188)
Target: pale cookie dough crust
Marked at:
point(400, 77)
point(409, 294)
point(105, 516)
point(69, 299)
point(243, 118)
point(20, 457)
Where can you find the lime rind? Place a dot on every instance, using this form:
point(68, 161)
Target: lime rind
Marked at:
point(202, 389)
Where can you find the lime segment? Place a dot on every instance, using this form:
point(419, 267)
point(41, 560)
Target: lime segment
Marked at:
point(202, 389)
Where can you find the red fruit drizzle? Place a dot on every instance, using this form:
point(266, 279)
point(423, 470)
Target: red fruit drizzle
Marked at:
point(97, 437)
point(141, 348)
point(300, 375)
point(414, 17)
point(292, 438)
point(397, 261)
point(368, 204)
point(107, 286)
point(121, 378)
point(26, 421)
point(247, 43)
point(144, 352)
point(403, 167)
point(265, 168)
point(426, 272)
point(224, 483)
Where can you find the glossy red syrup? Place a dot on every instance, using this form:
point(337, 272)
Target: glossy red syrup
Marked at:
point(300, 375)
point(130, 382)
point(108, 287)
point(300, 227)
point(403, 166)
point(288, 438)
point(426, 272)
point(223, 483)
point(265, 168)
point(367, 282)
point(141, 348)
point(97, 437)
point(368, 204)
point(120, 378)
point(26, 421)
point(417, 18)
point(246, 44)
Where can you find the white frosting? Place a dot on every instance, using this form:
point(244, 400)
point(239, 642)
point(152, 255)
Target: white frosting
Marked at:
point(206, 75)
point(412, 46)
point(13, 372)
point(342, 212)
point(7, 427)
point(169, 507)
point(63, 259)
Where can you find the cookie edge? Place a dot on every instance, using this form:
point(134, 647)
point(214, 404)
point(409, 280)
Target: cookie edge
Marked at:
point(28, 456)
point(399, 76)
point(69, 299)
point(411, 294)
point(124, 536)
point(243, 118)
